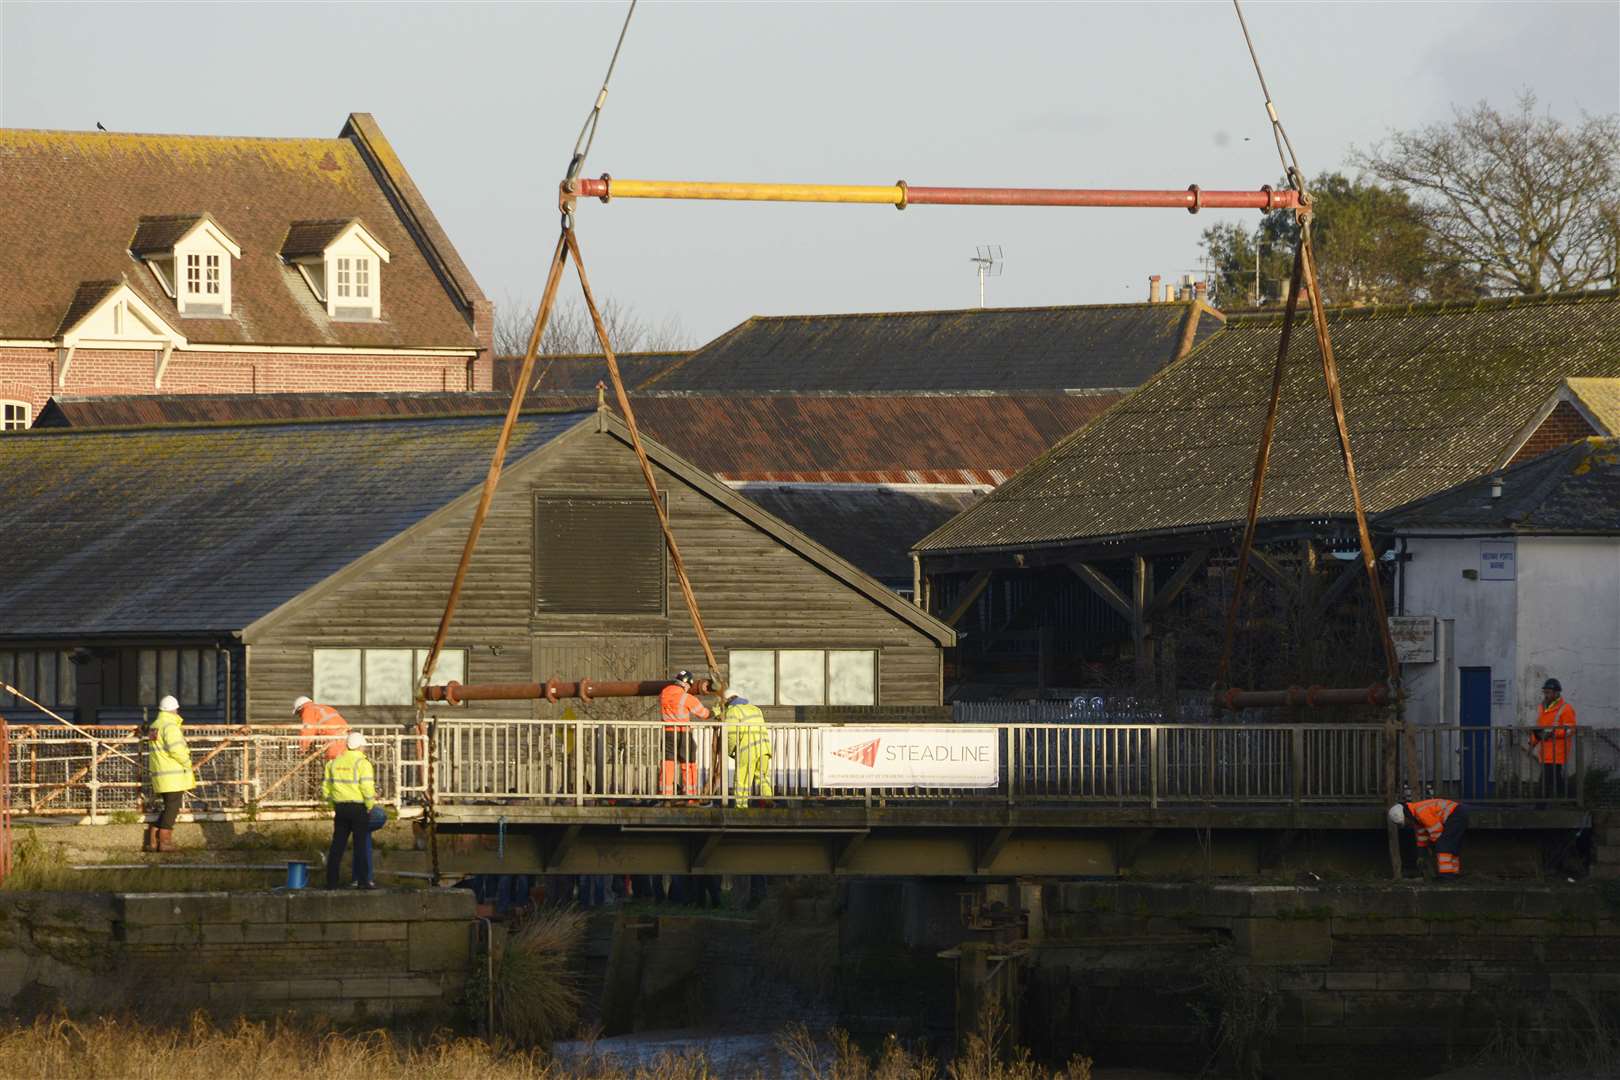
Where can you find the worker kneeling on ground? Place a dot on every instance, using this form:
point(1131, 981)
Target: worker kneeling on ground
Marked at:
point(350, 788)
point(168, 763)
point(1438, 822)
point(749, 742)
point(677, 707)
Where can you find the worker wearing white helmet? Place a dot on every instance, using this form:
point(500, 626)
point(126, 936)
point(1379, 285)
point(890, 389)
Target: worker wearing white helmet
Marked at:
point(168, 765)
point(349, 786)
point(1439, 823)
point(320, 722)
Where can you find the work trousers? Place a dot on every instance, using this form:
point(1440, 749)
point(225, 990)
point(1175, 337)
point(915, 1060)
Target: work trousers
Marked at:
point(349, 818)
point(1448, 852)
point(1552, 780)
point(171, 809)
point(679, 745)
point(754, 768)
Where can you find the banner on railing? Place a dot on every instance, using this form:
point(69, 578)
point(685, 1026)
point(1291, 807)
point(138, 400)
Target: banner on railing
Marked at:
point(925, 756)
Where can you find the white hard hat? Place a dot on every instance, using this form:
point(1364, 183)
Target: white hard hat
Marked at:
point(169, 704)
point(1397, 815)
point(356, 740)
point(298, 706)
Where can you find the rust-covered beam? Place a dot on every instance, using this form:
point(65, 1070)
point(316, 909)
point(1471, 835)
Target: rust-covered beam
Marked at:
point(1311, 696)
point(901, 194)
point(455, 693)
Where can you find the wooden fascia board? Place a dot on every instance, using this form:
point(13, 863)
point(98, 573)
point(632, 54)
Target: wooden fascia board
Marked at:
point(258, 627)
point(784, 533)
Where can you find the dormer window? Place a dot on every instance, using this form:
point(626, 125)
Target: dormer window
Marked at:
point(189, 256)
point(341, 263)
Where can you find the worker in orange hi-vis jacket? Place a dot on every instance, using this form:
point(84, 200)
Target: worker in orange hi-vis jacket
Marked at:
point(1555, 728)
point(676, 707)
point(1440, 823)
point(320, 722)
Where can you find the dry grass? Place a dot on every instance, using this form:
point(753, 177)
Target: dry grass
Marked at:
point(537, 991)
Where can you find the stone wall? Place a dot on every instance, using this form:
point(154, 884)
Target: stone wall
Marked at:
point(1414, 976)
point(348, 956)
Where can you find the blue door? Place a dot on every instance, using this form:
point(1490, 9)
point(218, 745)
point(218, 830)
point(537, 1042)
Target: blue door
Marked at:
point(1474, 702)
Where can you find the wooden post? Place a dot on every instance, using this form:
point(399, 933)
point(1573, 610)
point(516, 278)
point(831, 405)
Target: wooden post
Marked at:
point(1141, 631)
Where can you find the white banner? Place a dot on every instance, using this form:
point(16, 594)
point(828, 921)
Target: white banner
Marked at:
point(925, 756)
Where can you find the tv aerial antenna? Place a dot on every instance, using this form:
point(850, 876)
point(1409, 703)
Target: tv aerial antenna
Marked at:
point(989, 260)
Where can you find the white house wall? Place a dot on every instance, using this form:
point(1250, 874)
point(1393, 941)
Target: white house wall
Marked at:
point(1569, 624)
point(1480, 633)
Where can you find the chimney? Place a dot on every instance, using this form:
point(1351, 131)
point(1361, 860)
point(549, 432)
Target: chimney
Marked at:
point(1200, 291)
point(1186, 288)
point(1153, 288)
point(1496, 487)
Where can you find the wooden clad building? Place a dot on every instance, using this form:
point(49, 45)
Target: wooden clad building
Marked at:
point(315, 558)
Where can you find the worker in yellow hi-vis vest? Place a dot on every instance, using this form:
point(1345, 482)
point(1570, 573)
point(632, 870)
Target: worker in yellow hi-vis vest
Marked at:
point(749, 742)
point(350, 789)
point(168, 765)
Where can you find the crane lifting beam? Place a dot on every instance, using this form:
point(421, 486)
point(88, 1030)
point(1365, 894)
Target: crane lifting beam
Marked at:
point(585, 689)
point(901, 195)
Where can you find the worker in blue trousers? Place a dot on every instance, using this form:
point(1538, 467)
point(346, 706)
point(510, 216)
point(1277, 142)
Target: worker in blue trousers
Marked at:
point(349, 787)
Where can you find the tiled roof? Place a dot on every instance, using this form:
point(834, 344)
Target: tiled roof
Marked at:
point(312, 237)
point(85, 298)
point(1573, 489)
point(566, 372)
point(1107, 346)
point(1434, 395)
point(207, 529)
point(871, 526)
point(160, 232)
point(1600, 398)
point(72, 203)
point(135, 410)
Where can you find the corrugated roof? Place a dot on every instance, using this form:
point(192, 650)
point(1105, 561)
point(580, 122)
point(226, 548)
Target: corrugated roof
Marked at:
point(566, 372)
point(206, 529)
point(872, 527)
point(1434, 396)
point(1107, 346)
point(1600, 398)
point(1572, 489)
point(71, 204)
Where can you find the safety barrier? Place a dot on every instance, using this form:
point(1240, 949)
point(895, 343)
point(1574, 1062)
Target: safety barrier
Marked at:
point(97, 773)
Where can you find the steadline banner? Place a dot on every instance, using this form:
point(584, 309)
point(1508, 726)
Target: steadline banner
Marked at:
point(928, 756)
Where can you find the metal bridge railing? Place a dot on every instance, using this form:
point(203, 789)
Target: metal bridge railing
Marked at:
point(96, 773)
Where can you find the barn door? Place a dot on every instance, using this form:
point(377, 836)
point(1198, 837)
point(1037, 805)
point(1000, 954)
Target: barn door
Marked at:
point(620, 760)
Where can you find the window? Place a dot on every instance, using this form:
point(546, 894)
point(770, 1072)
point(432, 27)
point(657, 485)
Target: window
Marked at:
point(211, 279)
point(345, 277)
point(191, 675)
point(15, 415)
point(46, 675)
point(597, 556)
point(805, 676)
point(379, 676)
point(362, 278)
point(194, 274)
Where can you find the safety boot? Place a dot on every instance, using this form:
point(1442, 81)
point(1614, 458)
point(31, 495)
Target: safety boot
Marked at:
point(165, 841)
point(149, 841)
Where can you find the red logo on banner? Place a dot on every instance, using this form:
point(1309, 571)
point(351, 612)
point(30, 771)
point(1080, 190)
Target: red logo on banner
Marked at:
point(861, 753)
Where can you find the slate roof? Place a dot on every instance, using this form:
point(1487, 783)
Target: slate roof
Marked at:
point(872, 527)
point(136, 410)
point(1435, 394)
point(1105, 346)
point(1573, 489)
point(72, 204)
point(178, 530)
point(570, 372)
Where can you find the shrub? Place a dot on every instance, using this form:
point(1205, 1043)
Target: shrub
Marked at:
point(536, 988)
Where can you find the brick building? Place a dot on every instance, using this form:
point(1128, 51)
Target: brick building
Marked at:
point(179, 264)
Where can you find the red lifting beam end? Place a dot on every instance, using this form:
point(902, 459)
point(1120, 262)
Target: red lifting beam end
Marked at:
point(455, 694)
point(901, 195)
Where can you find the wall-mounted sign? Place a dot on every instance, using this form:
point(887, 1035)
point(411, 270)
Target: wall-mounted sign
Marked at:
point(928, 755)
point(1496, 560)
point(1414, 638)
point(1499, 692)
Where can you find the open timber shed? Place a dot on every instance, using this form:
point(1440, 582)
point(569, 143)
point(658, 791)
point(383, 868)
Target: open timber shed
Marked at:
point(1117, 543)
point(240, 566)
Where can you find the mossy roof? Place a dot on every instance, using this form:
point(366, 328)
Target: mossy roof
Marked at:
point(1574, 489)
point(205, 529)
point(1434, 395)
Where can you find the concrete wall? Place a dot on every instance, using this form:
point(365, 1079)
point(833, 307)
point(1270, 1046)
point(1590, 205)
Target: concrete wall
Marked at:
point(1569, 624)
point(1481, 617)
point(1412, 977)
point(373, 957)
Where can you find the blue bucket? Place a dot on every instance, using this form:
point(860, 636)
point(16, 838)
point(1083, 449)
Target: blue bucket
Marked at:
point(297, 875)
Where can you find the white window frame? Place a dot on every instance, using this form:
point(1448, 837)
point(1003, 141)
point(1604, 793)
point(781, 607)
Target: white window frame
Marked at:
point(448, 660)
point(211, 275)
point(775, 697)
point(350, 279)
point(201, 262)
point(194, 273)
point(15, 415)
point(342, 284)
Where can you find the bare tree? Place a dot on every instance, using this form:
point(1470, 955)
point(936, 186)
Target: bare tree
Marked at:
point(1525, 202)
point(570, 330)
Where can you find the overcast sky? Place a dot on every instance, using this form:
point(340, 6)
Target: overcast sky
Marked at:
point(483, 102)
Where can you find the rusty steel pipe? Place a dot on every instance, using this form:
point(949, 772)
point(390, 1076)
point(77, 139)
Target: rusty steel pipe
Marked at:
point(901, 195)
point(455, 693)
point(1310, 696)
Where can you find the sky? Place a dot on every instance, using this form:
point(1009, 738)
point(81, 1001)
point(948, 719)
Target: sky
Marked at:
point(483, 102)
